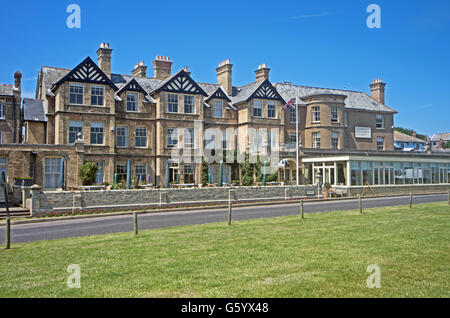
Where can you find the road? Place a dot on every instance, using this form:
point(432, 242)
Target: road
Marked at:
point(124, 223)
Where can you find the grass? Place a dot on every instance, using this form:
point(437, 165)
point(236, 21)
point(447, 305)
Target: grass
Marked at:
point(325, 255)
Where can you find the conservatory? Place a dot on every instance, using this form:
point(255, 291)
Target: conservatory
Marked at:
point(354, 170)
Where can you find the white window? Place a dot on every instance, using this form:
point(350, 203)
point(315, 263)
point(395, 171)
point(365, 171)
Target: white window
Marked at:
point(172, 140)
point(132, 102)
point(316, 140)
point(172, 103)
point(76, 94)
point(257, 108)
point(334, 114)
point(188, 172)
point(316, 114)
point(140, 170)
point(218, 108)
point(122, 136)
point(380, 143)
point(271, 111)
point(141, 137)
point(335, 140)
point(75, 127)
point(2, 115)
point(100, 171)
point(188, 104)
point(292, 115)
point(97, 93)
point(52, 173)
point(380, 121)
point(189, 138)
point(97, 131)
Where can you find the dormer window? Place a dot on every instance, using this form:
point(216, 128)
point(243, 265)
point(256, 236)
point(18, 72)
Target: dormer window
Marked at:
point(97, 94)
point(188, 104)
point(76, 94)
point(218, 108)
point(132, 102)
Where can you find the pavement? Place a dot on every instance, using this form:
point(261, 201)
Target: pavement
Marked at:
point(124, 223)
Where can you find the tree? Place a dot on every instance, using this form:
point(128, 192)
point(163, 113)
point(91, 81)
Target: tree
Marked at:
point(447, 144)
point(247, 173)
point(410, 132)
point(204, 178)
point(88, 173)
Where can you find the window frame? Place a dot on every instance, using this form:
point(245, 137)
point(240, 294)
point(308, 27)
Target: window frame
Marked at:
point(75, 85)
point(96, 133)
point(102, 96)
point(172, 104)
point(122, 137)
point(100, 171)
point(122, 176)
point(76, 131)
point(192, 106)
point(169, 133)
point(215, 108)
point(315, 114)
point(56, 173)
point(334, 115)
point(135, 103)
point(292, 115)
point(190, 145)
point(144, 165)
point(377, 123)
point(378, 145)
point(269, 110)
point(316, 141)
point(335, 140)
point(257, 111)
point(140, 137)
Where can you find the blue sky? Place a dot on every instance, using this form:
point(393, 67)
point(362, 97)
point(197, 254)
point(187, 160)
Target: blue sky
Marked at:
point(313, 43)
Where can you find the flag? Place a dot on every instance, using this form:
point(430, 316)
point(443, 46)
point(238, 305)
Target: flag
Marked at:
point(290, 104)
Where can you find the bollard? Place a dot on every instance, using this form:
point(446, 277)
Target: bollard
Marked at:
point(410, 200)
point(229, 207)
point(360, 203)
point(8, 234)
point(301, 209)
point(135, 219)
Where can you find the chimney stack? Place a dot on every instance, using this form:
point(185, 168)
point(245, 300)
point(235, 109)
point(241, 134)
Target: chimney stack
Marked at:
point(262, 73)
point(104, 58)
point(414, 134)
point(162, 67)
point(140, 70)
point(377, 90)
point(18, 80)
point(224, 76)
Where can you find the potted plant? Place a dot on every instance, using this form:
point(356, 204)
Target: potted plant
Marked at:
point(23, 181)
point(326, 189)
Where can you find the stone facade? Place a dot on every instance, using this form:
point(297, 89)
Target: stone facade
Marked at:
point(10, 111)
point(132, 107)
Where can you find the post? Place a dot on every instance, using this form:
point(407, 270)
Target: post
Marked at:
point(297, 144)
point(360, 203)
point(135, 219)
point(264, 174)
point(221, 173)
point(410, 199)
point(301, 209)
point(129, 174)
point(229, 207)
point(8, 220)
point(115, 181)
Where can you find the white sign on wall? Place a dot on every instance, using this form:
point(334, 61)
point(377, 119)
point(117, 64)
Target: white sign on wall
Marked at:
point(363, 132)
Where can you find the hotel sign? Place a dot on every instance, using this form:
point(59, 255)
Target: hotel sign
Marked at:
point(363, 132)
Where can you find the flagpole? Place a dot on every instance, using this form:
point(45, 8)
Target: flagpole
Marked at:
point(296, 139)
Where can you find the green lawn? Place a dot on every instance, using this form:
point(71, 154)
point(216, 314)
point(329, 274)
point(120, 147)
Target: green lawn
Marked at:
point(325, 255)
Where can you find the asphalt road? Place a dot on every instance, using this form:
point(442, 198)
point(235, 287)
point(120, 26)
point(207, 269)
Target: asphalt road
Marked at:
point(124, 223)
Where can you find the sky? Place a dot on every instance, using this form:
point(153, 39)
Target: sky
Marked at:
point(313, 43)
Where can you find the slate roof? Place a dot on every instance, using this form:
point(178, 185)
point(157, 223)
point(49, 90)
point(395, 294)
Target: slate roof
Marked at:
point(444, 136)
point(354, 100)
point(34, 110)
point(399, 136)
point(6, 90)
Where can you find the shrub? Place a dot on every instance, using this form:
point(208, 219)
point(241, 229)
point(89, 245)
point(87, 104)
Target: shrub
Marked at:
point(88, 172)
